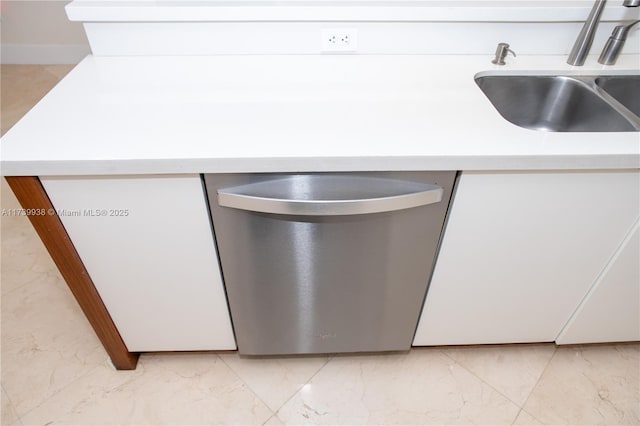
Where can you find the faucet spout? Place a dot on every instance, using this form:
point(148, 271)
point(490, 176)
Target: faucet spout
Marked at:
point(583, 43)
point(613, 47)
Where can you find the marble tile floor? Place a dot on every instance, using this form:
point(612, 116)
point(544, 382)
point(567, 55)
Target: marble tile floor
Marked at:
point(55, 372)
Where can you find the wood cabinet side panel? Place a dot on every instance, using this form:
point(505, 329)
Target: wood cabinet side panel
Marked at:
point(31, 195)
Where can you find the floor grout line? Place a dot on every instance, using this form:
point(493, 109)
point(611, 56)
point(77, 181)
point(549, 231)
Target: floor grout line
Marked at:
point(26, 283)
point(517, 416)
point(21, 416)
point(11, 403)
point(329, 358)
point(482, 380)
point(267, 421)
point(273, 413)
point(544, 370)
point(520, 407)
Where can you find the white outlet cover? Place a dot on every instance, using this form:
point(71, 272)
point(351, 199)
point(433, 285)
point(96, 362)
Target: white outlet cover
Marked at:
point(339, 40)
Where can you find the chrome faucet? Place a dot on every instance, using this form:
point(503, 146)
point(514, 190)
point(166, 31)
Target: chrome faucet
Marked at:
point(613, 47)
point(583, 43)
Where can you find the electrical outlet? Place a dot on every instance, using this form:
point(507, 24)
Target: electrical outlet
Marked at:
point(339, 39)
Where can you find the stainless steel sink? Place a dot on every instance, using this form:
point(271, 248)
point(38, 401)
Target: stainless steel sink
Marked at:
point(624, 88)
point(560, 103)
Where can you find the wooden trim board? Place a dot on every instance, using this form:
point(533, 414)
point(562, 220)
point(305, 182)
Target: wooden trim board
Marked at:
point(31, 195)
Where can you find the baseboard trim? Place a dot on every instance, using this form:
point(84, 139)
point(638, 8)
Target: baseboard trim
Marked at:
point(43, 53)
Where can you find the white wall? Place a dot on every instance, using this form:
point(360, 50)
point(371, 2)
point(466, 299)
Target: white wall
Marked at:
point(38, 32)
point(212, 27)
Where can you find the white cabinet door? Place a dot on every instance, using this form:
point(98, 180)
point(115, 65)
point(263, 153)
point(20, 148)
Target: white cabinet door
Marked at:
point(521, 250)
point(611, 310)
point(148, 247)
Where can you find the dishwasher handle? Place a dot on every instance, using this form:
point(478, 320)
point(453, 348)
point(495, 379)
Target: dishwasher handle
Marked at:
point(317, 195)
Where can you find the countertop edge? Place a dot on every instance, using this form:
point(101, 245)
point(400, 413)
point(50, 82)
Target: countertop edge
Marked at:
point(51, 140)
point(319, 164)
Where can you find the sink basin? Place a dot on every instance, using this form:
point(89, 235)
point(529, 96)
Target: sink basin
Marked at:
point(557, 103)
point(624, 88)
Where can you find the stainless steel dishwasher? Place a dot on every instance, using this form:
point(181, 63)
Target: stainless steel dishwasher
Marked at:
point(327, 262)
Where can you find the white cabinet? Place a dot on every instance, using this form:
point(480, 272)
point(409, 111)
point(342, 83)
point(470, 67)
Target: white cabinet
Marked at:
point(520, 252)
point(148, 247)
point(611, 310)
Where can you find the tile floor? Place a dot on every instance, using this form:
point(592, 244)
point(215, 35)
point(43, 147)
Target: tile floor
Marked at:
point(54, 371)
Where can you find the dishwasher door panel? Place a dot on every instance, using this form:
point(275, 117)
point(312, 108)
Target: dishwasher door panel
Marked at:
point(336, 282)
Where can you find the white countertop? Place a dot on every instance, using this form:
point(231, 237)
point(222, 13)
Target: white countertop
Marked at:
point(165, 115)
